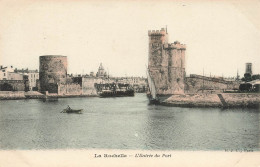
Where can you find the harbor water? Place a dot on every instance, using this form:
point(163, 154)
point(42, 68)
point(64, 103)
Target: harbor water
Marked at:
point(124, 123)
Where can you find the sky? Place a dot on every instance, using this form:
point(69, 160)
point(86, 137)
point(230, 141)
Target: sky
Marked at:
point(220, 36)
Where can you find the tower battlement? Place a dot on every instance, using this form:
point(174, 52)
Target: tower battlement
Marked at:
point(161, 32)
point(175, 46)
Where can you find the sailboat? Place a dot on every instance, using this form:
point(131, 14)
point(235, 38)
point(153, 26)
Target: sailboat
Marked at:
point(152, 95)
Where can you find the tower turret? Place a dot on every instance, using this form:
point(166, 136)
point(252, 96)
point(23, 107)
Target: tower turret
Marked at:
point(157, 38)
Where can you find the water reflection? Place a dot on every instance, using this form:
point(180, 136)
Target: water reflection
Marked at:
point(124, 123)
point(202, 129)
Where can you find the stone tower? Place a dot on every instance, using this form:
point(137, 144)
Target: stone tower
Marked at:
point(53, 72)
point(166, 63)
point(249, 68)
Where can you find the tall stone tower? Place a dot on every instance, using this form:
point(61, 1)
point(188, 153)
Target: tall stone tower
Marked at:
point(166, 63)
point(53, 72)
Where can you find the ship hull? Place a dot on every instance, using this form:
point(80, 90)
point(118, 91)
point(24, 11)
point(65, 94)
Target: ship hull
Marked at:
point(158, 99)
point(117, 93)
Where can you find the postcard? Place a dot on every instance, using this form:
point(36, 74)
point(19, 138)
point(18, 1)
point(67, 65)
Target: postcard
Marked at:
point(129, 83)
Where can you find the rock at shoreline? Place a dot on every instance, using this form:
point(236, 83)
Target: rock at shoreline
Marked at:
point(251, 100)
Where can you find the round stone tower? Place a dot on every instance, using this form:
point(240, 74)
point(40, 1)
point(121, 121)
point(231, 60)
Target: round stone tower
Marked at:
point(53, 72)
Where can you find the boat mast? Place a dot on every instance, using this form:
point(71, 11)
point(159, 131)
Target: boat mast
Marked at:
point(203, 82)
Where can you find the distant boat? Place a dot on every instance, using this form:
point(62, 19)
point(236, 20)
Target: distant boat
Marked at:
point(116, 93)
point(115, 90)
point(69, 111)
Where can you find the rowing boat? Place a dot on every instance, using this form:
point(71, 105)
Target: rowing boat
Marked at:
point(69, 111)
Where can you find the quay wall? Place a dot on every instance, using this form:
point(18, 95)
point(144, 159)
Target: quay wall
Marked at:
point(8, 95)
point(34, 95)
point(88, 86)
point(242, 99)
point(15, 95)
point(212, 85)
point(230, 100)
point(70, 89)
point(8, 85)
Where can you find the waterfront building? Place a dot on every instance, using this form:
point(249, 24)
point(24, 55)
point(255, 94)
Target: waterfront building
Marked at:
point(11, 80)
point(33, 76)
point(4, 72)
point(14, 76)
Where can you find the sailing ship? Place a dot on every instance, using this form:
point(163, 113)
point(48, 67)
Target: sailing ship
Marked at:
point(152, 90)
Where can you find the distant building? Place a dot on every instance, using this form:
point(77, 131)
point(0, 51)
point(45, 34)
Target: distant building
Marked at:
point(14, 76)
point(138, 83)
point(4, 72)
point(33, 76)
point(249, 68)
point(91, 74)
point(249, 76)
point(12, 81)
point(101, 71)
